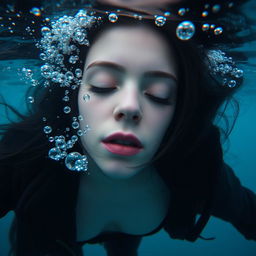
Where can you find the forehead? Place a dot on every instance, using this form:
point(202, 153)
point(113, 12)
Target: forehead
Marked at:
point(133, 48)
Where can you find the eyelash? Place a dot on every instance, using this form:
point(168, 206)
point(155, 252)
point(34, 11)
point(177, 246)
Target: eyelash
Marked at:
point(109, 90)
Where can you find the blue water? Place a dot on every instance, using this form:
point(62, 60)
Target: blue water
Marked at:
point(241, 156)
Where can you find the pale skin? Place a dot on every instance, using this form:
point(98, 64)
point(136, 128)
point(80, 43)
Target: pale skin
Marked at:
point(140, 115)
point(131, 199)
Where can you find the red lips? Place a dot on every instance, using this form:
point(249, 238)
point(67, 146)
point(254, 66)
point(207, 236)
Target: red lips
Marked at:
point(130, 138)
point(122, 144)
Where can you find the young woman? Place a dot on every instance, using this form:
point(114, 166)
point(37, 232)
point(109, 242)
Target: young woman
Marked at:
point(120, 141)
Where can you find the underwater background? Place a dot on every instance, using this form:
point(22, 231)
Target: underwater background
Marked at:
point(240, 154)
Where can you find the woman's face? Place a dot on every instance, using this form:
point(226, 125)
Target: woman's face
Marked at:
point(130, 75)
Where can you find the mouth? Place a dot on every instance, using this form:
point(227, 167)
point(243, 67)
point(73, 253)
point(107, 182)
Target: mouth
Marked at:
point(122, 144)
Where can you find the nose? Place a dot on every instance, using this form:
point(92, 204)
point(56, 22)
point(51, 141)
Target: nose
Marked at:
point(128, 107)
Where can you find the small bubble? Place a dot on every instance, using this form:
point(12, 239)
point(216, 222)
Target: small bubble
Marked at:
point(31, 99)
point(65, 98)
point(167, 14)
point(46, 71)
point(74, 119)
point(86, 97)
point(74, 138)
point(59, 58)
point(70, 144)
point(205, 14)
point(160, 21)
point(185, 30)
point(218, 31)
point(34, 83)
point(60, 143)
point(47, 129)
point(182, 11)
point(73, 59)
point(51, 139)
point(75, 125)
point(55, 154)
point(212, 26)
point(80, 118)
point(113, 17)
point(78, 73)
point(67, 109)
point(45, 31)
point(69, 75)
point(205, 27)
point(35, 11)
point(232, 84)
point(44, 119)
point(238, 73)
point(76, 162)
point(46, 84)
point(80, 133)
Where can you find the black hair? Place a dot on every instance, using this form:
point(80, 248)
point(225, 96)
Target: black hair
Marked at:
point(190, 139)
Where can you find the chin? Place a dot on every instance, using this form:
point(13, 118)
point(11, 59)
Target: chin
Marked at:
point(119, 173)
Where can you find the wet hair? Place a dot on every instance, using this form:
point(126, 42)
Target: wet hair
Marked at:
point(191, 139)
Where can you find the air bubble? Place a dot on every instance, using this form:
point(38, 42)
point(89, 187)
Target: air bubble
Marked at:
point(45, 31)
point(69, 75)
point(113, 17)
point(75, 125)
point(80, 118)
point(76, 162)
point(60, 143)
point(78, 73)
point(160, 21)
point(51, 139)
point(205, 27)
point(237, 73)
point(47, 129)
point(35, 11)
point(67, 109)
point(185, 30)
point(74, 138)
point(31, 99)
point(86, 97)
point(46, 71)
point(232, 84)
point(65, 98)
point(55, 154)
point(80, 133)
point(205, 14)
point(218, 31)
point(73, 59)
point(182, 11)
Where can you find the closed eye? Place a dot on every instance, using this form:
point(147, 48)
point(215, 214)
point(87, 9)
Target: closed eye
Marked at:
point(97, 89)
point(158, 100)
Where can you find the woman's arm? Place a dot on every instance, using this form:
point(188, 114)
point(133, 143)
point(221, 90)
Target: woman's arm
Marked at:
point(234, 203)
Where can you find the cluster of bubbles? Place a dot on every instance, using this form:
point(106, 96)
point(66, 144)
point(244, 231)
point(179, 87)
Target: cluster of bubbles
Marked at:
point(224, 66)
point(60, 45)
point(60, 40)
point(74, 161)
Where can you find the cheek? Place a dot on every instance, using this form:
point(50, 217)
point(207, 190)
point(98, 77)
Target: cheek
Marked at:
point(160, 118)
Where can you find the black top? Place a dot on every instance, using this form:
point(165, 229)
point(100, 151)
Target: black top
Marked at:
point(105, 236)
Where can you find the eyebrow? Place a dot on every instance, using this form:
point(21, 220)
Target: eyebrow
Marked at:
point(107, 64)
